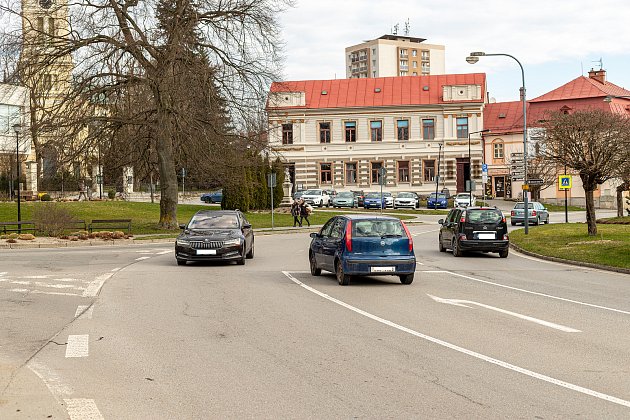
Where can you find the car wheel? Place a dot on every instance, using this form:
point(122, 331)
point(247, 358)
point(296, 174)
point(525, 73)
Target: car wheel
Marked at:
point(241, 261)
point(315, 271)
point(440, 245)
point(406, 278)
point(457, 251)
point(321, 204)
point(181, 262)
point(547, 220)
point(342, 277)
point(504, 254)
point(537, 222)
point(250, 254)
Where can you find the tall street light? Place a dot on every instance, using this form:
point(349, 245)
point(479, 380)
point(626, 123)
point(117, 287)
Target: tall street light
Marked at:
point(17, 128)
point(470, 159)
point(472, 59)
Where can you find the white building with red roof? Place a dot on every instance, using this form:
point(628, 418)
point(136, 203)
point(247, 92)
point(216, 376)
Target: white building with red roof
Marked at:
point(337, 134)
point(504, 143)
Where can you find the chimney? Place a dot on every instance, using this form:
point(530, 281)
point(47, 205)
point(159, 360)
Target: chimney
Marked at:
point(599, 75)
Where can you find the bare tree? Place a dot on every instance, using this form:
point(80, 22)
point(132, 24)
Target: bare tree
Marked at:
point(593, 143)
point(156, 48)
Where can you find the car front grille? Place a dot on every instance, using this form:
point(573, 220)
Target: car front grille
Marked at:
point(206, 245)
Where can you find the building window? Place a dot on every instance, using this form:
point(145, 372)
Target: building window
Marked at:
point(428, 170)
point(287, 133)
point(497, 148)
point(376, 130)
point(428, 129)
point(414, 53)
point(51, 26)
point(351, 173)
point(9, 115)
point(462, 127)
point(414, 64)
point(403, 73)
point(324, 132)
point(351, 131)
point(402, 127)
point(325, 173)
point(403, 171)
point(403, 53)
point(375, 172)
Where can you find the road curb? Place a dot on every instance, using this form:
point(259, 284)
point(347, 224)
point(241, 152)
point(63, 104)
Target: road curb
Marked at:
point(570, 262)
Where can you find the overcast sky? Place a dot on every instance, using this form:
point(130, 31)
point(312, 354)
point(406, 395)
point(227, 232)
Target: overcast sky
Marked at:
point(555, 40)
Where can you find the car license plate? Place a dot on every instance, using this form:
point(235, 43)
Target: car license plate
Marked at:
point(488, 235)
point(382, 269)
point(206, 252)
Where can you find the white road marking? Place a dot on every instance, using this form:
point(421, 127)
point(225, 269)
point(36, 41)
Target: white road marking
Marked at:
point(78, 345)
point(84, 315)
point(58, 286)
point(39, 292)
point(95, 286)
point(422, 233)
point(465, 303)
point(115, 269)
point(35, 277)
point(82, 409)
point(168, 251)
point(531, 292)
point(4, 273)
point(51, 380)
point(459, 349)
point(142, 258)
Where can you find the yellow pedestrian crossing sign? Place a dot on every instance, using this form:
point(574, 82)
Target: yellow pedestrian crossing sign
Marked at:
point(565, 182)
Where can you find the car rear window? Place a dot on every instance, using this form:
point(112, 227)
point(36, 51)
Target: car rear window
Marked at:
point(522, 206)
point(223, 221)
point(484, 216)
point(377, 228)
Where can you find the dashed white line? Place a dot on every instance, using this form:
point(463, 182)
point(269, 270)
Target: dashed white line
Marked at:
point(95, 286)
point(142, 258)
point(78, 345)
point(87, 314)
point(51, 380)
point(168, 251)
point(82, 409)
point(459, 349)
point(39, 292)
point(58, 286)
point(115, 269)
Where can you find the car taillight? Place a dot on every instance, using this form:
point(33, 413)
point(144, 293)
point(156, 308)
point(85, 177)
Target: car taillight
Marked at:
point(408, 236)
point(503, 219)
point(506, 237)
point(349, 236)
point(533, 212)
point(513, 213)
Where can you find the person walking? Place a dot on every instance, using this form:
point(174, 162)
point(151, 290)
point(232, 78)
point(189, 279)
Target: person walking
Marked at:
point(295, 212)
point(304, 213)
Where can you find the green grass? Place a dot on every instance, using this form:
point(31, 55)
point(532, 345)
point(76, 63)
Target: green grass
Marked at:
point(145, 216)
point(570, 241)
point(388, 211)
point(560, 208)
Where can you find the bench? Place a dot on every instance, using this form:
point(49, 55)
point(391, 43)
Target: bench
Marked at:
point(7, 227)
point(110, 224)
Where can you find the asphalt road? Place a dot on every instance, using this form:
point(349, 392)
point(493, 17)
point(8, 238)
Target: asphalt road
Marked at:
point(472, 337)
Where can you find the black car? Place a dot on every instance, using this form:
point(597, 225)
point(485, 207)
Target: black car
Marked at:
point(474, 229)
point(221, 235)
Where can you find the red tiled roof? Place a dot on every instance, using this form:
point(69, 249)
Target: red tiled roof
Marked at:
point(581, 88)
point(503, 117)
point(404, 90)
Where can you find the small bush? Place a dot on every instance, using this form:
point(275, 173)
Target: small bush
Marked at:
point(45, 197)
point(111, 194)
point(11, 241)
point(52, 219)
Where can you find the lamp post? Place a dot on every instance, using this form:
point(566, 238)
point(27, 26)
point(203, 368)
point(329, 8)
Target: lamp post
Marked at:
point(470, 160)
point(472, 59)
point(17, 127)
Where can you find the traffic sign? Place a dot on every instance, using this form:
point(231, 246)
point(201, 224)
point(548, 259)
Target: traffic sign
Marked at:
point(271, 179)
point(565, 182)
point(484, 167)
point(535, 181)
point(518, 178)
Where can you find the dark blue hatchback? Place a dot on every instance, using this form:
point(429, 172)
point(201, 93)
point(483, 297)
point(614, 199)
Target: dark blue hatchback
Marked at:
point(362, 245)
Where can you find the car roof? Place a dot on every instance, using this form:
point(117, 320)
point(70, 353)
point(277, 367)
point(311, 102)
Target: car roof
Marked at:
point(366, 217)
point(218, 212)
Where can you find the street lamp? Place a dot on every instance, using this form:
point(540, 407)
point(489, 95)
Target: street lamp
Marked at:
point(472, 59)
point(469, 189)
point(437, 178)
point(17, 128)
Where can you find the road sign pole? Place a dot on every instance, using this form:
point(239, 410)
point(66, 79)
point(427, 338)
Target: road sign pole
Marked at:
point(566, 205)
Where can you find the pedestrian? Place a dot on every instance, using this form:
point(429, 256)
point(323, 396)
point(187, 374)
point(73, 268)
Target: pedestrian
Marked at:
point(82, 191)
point(304, 213)
point(295, 212)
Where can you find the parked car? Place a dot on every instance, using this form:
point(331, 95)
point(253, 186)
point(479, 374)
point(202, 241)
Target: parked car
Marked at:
point(474, 229)
point(362, 245)
point(221, 235)
point(464, 199)
point(406, 199)
point(373, 200)
point(359, 194)
point(437, 201)
point(212, 197)
point(538, 213)
point(345, 199)
point(298, 194)
point(317, 198)
point(389, 199)
point(331, 193)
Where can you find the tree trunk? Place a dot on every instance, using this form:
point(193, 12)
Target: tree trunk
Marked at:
point(168, 173)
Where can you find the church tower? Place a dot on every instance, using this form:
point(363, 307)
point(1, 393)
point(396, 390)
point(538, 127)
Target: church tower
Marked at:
point(47, 72)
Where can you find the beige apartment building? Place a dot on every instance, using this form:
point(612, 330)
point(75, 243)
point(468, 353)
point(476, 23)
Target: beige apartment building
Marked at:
point(338, 134)
point(394, 55)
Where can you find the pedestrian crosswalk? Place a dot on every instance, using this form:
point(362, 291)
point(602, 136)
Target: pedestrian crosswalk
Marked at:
point(48, 284)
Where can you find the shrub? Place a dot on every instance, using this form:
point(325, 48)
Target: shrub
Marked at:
point(52, 219)
point(26, 237)
point(111, 194)
point(45, 197)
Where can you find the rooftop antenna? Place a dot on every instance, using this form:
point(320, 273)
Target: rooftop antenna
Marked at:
point(407, 27)
point(600, 61)
point(395, 31)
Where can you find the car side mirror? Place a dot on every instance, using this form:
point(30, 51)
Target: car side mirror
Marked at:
point(182, 226)
point(247, 226)
point(441, 221)
point(315, 235)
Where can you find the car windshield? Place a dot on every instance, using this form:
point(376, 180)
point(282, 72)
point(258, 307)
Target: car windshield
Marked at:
point(218, 221)
point(406, 195)
point(345, 195)
point(484, 216)
point(313, 192)
point(377, 228)
point(373, 195)
point(464, 195)
point(522, 205)
point(439, 196)
point(387, 194)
